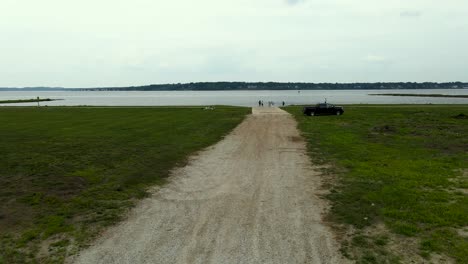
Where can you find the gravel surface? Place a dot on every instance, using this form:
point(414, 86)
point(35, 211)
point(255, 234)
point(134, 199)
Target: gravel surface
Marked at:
point(251, 198)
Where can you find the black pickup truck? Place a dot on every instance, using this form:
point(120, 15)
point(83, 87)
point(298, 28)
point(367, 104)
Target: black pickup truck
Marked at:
point(323, 109)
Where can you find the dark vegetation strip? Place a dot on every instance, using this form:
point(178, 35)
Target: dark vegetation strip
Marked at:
point(403, 167)
point(424, 95)
point(220, 86)
point(27, 101)
point(65, 173)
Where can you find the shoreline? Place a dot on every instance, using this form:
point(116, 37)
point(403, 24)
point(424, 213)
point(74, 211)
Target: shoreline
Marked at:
point(424, 95)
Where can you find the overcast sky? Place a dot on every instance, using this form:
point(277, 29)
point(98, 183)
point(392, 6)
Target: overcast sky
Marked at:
point(86, 43)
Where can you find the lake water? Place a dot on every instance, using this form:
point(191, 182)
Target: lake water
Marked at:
point(237, 98)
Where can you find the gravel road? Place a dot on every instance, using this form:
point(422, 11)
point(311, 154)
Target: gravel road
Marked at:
point(251, 198)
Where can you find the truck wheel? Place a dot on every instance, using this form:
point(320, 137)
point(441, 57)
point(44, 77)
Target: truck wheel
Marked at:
point(338, 113)
point(312, 113)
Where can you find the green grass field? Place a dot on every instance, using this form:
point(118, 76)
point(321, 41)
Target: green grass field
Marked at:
point(399, 179)
point(65, 173)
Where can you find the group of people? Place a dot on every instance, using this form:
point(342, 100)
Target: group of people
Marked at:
point(270, 103)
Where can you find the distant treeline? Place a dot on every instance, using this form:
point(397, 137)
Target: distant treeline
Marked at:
point(27, 101)
point(425, 95)
point(217, 86)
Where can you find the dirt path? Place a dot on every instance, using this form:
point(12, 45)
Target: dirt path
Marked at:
point(251, 198)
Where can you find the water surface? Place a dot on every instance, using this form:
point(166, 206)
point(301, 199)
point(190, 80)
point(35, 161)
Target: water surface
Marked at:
point(236, 98)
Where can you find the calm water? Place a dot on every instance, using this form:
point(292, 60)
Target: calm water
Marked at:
point(238, 98)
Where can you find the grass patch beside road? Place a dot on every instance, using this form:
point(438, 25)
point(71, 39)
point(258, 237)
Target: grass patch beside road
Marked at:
point(401, 179)
point(65, 173)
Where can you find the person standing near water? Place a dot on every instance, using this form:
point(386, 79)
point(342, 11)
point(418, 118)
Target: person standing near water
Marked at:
point(259, 103)
point(283, 103)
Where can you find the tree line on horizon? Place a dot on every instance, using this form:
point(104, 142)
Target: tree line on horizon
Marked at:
point(216, 86)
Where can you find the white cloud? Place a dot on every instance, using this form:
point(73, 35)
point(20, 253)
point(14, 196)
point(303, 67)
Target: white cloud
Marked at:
point(294, 2)
point(410, 14)
point(374, 58)
point(132, 42)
